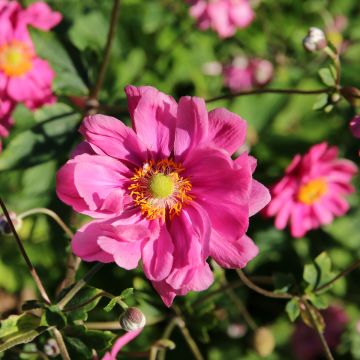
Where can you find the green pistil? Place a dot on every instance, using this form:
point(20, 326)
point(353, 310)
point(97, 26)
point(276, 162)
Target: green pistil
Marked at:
point(161, 186)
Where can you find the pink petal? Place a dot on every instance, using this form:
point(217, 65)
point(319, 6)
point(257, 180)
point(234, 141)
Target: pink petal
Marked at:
point(259, 197)
point(226, 129)
point(232, 254)
point(108, 135)
point(157, 255)
point(154, 118)
point(192, 125)
point(40, 15)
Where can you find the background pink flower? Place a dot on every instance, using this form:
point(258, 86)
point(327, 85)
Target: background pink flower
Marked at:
point(23, 76)
point(223, 16)
point(155, 192)
point(244, 74)
point(305, 341)
point(312, 191)
point(6, 121)
point(355, 126)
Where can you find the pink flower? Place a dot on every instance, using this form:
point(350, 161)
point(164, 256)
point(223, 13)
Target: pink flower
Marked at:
point(312, 191)
point(305, 341)
point(355, 126)
point(6, 121)
point(120, 343)
point(244, 74)
point(223, 16)
point(23, 76)
point(166, 191)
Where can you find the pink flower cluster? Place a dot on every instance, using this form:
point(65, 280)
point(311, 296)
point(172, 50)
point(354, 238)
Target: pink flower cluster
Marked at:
point(312, 191)
point(24, 77)
point(154, 191)
point(223, 16)
point(305, 341)
point(245, 74)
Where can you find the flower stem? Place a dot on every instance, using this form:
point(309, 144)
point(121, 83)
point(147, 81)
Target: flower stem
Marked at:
point(343, 273)
point(270, 91)
point(60, 341)
point(94, 94)
point(29, 264)
point(260, 290)
point(79, 285)
point(315, 325)
point(50, 213)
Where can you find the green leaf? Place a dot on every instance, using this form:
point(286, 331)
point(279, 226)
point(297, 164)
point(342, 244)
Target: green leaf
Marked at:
point(111, 304)
point(19, 329)
point(327, 77)
point(319, 301)
point(293, 309)
point(31, 304)
point(126, 293)
point(321, 102)
point(77, 349)
point(44, 140)
point(319, 272)
point(84, 296)
point(54, 317)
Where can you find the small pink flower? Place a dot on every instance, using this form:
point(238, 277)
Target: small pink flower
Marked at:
point(223, 16)
point(312, 191)
point(244, 74)
point(24, 77)
point(166, 191)
point(355, 126)
point(120, 343)
point(305, 341)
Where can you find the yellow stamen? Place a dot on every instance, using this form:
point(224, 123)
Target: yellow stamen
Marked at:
point(158, 189)
point(312, 191)
point(15, 58)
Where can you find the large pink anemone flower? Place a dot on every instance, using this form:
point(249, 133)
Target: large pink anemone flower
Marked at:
point(166, 191)
point(312, 191)
point(223, 16)
point(24, 77)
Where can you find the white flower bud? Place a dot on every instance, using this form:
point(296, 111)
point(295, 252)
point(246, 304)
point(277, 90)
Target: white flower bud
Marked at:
point(51, 348)
point(263, 342)
point(132, 319)
point(5, 227)
point(315, 40)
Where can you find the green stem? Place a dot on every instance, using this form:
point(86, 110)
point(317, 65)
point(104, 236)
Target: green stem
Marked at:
point(60, 341)
point(51, 214)
point(79, 285)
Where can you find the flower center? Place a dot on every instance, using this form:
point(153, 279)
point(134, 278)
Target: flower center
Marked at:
point(15, 58)
point(159, 190)
point(312, 191)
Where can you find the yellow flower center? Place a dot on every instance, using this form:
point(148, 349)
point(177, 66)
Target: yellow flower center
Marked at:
point(159, 190)
point(15, 58)
point(312, 191)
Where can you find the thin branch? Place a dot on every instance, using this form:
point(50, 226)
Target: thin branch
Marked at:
point(166, 335)
point(60, 341)
point(345, 272)
point(29, 264)
point(110, 37)
point(51, 214)
point(270, 91)
point(79, 285)
point(260, 290)
point(314, 323)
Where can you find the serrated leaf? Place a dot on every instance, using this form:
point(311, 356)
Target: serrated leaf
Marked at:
point(327, 77)
point(319, 272)
point(292, 308)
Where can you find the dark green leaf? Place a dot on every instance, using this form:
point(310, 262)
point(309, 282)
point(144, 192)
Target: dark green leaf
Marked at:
point(326, 77)
point(293, 309)
point(54, 317)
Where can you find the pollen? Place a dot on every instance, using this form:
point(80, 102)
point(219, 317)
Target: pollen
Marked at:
point(15, 58)
point(159, 190)
point(312, 191)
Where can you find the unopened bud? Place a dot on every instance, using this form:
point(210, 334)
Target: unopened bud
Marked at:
point(355, 126)
point(315, 40)
point(5, 228)
point(236, 331)
point(51, 348)
point(132, 319)
point(263, 342)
